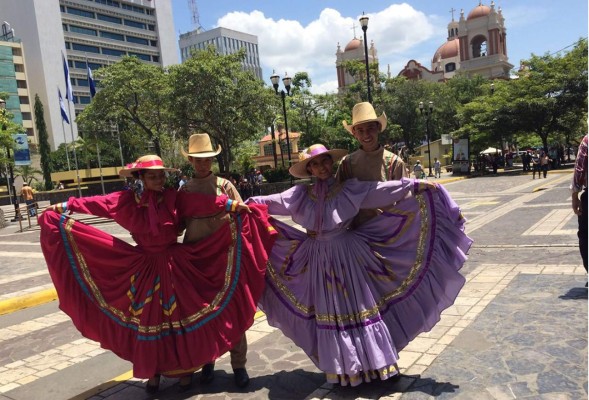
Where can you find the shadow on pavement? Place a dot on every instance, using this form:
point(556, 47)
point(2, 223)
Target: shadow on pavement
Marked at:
point(283, 385)
point(578, 293)
point(430, 386)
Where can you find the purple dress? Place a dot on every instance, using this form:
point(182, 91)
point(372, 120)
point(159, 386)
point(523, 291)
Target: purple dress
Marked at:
point(353, 298)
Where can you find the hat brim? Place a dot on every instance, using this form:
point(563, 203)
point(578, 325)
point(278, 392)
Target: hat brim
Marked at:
point(204, 154)
point(128, 172)
point(299, 170)
point(382, 120)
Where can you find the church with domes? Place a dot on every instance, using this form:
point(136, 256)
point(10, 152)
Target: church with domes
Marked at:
point(354, 50)
point(476, 45)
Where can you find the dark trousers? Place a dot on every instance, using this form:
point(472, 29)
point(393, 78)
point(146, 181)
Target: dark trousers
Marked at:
point(582, 233)
point(31, 207)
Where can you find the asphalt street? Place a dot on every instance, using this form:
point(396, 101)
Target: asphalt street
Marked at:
point(518, 329)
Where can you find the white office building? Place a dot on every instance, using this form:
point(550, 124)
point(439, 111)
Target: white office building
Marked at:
point(87, 32)
point(226, 41)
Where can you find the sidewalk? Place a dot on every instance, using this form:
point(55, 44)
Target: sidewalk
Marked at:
point(490, 345)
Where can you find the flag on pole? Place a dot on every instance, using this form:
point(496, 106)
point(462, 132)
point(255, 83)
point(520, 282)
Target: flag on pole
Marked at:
point(91, 83)
point(69, 95)
point(62, 106)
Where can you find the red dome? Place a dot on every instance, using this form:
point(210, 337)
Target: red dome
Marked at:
point(353, 45)
point(447, 50)
point(479, 11)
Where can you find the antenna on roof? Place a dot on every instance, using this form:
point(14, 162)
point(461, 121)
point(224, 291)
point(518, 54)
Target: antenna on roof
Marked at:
point(194, 17)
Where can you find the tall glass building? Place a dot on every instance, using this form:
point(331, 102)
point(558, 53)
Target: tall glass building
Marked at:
point(90, 33)
point(226, 41)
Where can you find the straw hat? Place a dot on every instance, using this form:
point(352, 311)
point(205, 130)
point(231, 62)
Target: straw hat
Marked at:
point(299, 170)
point(150, 161)
point(362, 113)
point(200, 146)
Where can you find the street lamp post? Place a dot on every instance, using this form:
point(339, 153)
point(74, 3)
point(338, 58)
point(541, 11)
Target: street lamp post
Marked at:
point(286, 82)
point(17, 216)
point(427, 112)
point(364, 24)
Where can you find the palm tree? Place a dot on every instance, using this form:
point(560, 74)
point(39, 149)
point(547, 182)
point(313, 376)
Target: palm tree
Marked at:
point(28, 173)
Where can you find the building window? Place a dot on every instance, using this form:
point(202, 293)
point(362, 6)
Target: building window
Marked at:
point(84, 31)
point(450, 67)
point(479, 46)
point(108, 18)
point(133, 39)
point(110, 35)
point(144, 57)
point(86, 48)
point(81, 13)
point(268, 149)
point(135, 24)
point(133, 8)
point(108, 3)
point(113, 52)
point(284, 147)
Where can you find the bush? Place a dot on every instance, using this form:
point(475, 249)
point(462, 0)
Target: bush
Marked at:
point(276, 175)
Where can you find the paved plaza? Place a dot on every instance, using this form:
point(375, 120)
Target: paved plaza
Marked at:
point(518, 329)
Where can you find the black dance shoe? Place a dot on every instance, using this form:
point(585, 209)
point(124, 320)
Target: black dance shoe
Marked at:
point(241, 377)
point(185, 383)
point(207, 374)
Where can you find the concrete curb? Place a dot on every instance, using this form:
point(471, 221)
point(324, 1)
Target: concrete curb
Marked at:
point(26, 301)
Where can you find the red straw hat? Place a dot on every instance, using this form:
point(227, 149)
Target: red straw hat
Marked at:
point(150, 161)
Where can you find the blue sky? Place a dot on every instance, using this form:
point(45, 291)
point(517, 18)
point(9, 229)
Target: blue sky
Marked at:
point(303, 35)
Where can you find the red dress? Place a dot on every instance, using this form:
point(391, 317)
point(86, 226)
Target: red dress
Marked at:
point(166, 307)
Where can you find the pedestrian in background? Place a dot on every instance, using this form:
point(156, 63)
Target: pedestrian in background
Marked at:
point(544, 162)
point(182, 181)
point(535, 165)
point(437, 168)
point(526, 158)
point(418, 170)
point(579, 185)
point(28, 196)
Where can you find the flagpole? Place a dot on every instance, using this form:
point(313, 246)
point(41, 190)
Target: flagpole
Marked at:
point(90, 86)
point(74, 148)
point(69, 95)
point(120, 147)
point(99, 165)
point(67, 157)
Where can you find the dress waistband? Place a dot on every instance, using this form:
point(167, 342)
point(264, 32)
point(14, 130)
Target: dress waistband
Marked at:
point(326, 235)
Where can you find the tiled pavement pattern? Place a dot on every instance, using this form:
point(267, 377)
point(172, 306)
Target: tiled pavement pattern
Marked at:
point(515, 331)
point(474, 353)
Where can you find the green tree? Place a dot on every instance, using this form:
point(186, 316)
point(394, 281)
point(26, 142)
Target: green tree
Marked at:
point(212, 93)
point(8, 128)
point(244, 156)
point(135, 94)
point(28, 173)
point(44, 148)
point(549, 90)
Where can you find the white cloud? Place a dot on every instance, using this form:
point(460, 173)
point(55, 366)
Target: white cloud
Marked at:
point(287, 46)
